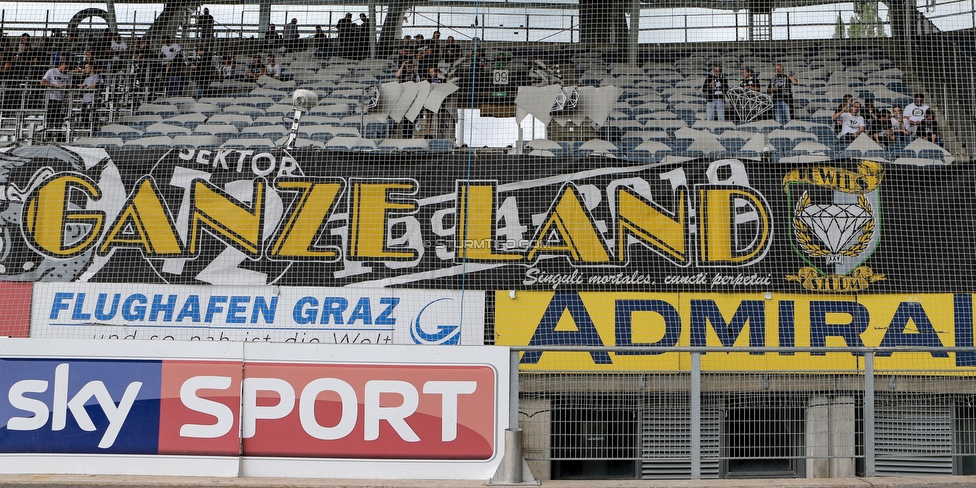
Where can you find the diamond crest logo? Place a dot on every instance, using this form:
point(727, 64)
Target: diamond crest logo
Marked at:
point(836, 225)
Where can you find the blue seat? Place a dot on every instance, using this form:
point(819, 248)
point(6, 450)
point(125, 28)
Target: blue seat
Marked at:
point(440, 146)
point(935, 154)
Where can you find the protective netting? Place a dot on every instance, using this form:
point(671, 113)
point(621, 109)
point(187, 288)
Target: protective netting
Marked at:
point(593, 174)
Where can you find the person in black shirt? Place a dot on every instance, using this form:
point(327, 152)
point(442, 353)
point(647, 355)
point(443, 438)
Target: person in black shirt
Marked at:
point(748, 82)
point(205, 22)
point(780, 89)
point(714, 89)
point(928, 128)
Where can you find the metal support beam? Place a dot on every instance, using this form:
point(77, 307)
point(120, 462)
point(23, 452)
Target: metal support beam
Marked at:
point(264, 16)
point(633, 38)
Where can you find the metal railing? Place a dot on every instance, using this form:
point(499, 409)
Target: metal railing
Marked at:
point(712, 414)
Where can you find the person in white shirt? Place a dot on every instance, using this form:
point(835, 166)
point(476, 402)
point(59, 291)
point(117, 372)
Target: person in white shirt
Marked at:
point(915, 111)
point(273, 69)
point(58, 79)
point(90, 89)
point(851, 124)
point(170, 49)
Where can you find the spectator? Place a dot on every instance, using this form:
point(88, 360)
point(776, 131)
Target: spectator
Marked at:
point(872, 117)
point(748, 82)
point(174, 69)
point(255, 70)
point(915, 111)
point(433, 76)
point(170, 49)
point(362, 36)
point(852, 123)
point(319, 39)
point(89, 89)
point(434, 49)
point(714, 89)
point(271, 38)
point(780, 89)
point(899, 126)
point(56, 79)
point(273, 69)
point(880, 129)
point(290, 35)
point(407, 50)
point(845, 106)
point(346, 32)
point(205, 22)
point(407, 72)
point(227, 69)
point(200, 70)
point(118, 47)
point(451, 51)
point(928, 128)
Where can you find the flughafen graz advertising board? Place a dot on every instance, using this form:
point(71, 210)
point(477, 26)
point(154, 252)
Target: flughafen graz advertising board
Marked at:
point(834, 231)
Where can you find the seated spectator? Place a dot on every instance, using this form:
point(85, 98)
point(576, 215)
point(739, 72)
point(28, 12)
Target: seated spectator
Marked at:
point(851, 123)
point(899, 126)
point(845, 106)
point(433, 76)
point(880, 129)
point(255, 70)
point(928, 128)
point(869, 112)
point(273, 69)
point(915, 111)
point(227, 68)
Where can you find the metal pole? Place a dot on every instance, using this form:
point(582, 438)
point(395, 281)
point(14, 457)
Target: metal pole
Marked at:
point(695, 415)
point(869, 413)
point(513, 390)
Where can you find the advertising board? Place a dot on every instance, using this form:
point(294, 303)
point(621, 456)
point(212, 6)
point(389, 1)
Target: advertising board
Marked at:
point(251, 409)
point(258, 313)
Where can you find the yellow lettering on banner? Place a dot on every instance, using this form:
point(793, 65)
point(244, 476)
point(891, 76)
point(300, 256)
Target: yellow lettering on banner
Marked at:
point(315, 202)
point(638, 218)
point(575, 234)
point(719, 223)
point(47, 216)
point(865, 179)
point(476, 223)
point(215, 210)
point(143, 223)
point(369, 213)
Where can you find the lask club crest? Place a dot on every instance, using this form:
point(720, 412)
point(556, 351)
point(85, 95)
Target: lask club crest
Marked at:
point(836, 224)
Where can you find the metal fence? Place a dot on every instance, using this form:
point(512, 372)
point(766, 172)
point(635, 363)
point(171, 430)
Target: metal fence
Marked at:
point(721, 421)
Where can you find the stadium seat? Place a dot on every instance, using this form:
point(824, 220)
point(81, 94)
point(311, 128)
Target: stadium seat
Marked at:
point(103, 142)
point(197, 141)
point(123, 132)
point(166, 130)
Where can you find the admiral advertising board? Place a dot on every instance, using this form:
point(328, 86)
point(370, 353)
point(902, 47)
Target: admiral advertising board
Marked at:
point(311, 218)
point(658, 321)
point(235, 408)
point(258, 313)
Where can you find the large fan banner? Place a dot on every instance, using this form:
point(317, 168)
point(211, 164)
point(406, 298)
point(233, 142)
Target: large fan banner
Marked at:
point(235, 217)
